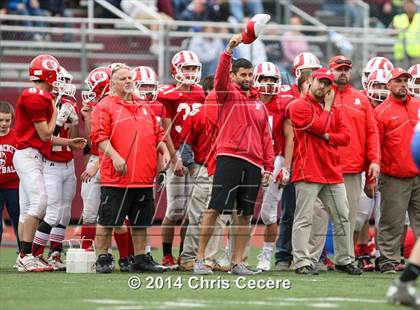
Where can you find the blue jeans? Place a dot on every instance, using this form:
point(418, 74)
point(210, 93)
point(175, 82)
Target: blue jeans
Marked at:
point(237, 8)
point(9, 197)
point(284, 241)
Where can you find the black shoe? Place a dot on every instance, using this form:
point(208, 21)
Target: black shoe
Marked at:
point(143, 263)
point(124, 263)
point(306, 270)
point(104, 264)
point(349, 269)
point(387, 267)
point(156, 264)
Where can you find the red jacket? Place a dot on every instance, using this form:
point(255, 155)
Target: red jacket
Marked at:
point(134, 133)
point(8, 175)
point(359, 118)
point(211, 114)
point(314, 159)
point(243, 121)
point(396, 121)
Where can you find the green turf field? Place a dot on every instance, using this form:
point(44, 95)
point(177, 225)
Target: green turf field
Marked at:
point(58, 290)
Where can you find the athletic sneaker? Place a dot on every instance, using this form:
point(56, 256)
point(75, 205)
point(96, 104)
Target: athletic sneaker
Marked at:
point(250, 268)
point(326, 261)
point(104, 263)
point(155, 263)
point(306, 270)
point(403, 293)
point(364, 263)
point(401, 266)
point(124, 263)
point(225, 261)
point(16, 265)
point(201, 268)
point(387, 267)
point(282, 266)
point(349, 269)
point(264, 260)
point(30, 263)
point(54, 260)
point(242, 269)
point(143, 263)
point(112, 261)
point(168, 260)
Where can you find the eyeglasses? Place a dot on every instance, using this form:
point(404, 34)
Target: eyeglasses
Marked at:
point(343, 62)
point(116, 66)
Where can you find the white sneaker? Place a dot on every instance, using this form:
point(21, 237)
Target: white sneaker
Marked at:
point(16, 265)
point(264, 260)
point(225, 261)
point(403, 293)
point(29, 263)
point(54, 260)
point(43, 263)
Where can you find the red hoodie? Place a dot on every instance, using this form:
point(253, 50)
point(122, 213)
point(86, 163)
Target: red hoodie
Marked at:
point(396, 121)
point(314, 159)
point(243, 121)
point(134, 133)
point(359, 118)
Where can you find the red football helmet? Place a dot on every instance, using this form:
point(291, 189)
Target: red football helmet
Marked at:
point(305, 61)
point(143, 75)
point(374, 64)
point(413, 87)
point(44, 68)
point(267, 69)
point(181, 60)
point(97, 83)
point(378, 76)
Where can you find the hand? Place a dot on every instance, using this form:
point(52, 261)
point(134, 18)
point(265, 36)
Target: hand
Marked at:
point(266, 180)
point(73, 117)
point(193, 170)
point(305, 87)
point(326, 136)
point(160, 181)
point(86, 111)
point(88, 174)
point(374, 171)
point(234, 42)
point(283, 177)
point(120, 165)
point(63, 114)
point(329, 99)
point(370, 189)
point(77, 143)
point(179, 168)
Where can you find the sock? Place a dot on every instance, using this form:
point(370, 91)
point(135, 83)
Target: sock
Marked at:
point(410, 273)
point(130, 242)
point(402, 251)
point(122, 243)
point(26, 248)
point(88, 231)
point(41, 237)
point(167, 248)
point(56, 238)
point(363, 249)
point(268, 246)
point(181, 248)
point(147, 249)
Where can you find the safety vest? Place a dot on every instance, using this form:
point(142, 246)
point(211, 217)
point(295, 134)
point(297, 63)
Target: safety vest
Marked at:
point(410, 37)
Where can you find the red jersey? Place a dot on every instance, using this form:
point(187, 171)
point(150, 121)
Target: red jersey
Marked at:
point(211, 114)
point(134, 132)
point(396, 121)
point(94, 147)
point(8, 175)
point(159, 109)
point(178, 106)
point(243, 121)
point(62, 153)
point(289, 92)
point(359, 118)
point(33, 106)
point(314, 159)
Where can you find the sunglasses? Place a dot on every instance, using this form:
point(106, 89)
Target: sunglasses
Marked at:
point(343, 62)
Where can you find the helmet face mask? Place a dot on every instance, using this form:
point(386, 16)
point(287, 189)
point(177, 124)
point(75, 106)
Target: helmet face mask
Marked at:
point(376, 78)
point(414, 83)
point(266, 78)
point(63, 85)
point(182, 68)
point(145, 82)
point(374, 64)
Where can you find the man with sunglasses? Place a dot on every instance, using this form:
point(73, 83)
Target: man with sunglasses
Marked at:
point(362, 148)
point(318, 131)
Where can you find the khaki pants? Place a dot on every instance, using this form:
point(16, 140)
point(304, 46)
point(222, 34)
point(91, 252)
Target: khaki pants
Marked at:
point(353, 184)
point(397, 197)
point(333, 197)
point(198, 203)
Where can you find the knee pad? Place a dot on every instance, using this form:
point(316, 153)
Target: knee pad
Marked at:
point(39, 210)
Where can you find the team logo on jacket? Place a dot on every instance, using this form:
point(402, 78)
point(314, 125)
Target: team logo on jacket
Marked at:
point(2, 159)
point(257, 105)
point(357, 101)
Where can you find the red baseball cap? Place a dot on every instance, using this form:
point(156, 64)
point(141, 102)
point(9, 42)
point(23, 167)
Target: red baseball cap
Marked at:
point(323, 73)
point(397, 72)
point(340, 61)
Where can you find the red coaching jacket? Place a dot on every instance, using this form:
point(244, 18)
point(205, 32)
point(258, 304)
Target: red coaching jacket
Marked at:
point(243, 121)
point(8, 175)
point(314, 159)
point(359, 117)
point(396, 121)
point(134, 133)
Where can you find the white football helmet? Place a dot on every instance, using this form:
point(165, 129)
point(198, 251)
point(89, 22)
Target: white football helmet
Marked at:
point(378, 76)
point(304, 61)
point(143, 75)
point(63, 85)
point(413, 87)
point(267, 69)
point(181, 60)
point(374, 64)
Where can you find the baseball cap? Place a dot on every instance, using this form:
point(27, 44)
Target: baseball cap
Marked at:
point(340, 61)
point(397, 72)
point(323, 73)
